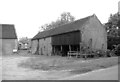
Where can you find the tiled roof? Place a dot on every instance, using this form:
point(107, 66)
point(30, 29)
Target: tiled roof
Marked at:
point(70, 27)
point(7, 31)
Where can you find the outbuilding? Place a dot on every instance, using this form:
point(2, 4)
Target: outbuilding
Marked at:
point(71, 36)
point(8, 39)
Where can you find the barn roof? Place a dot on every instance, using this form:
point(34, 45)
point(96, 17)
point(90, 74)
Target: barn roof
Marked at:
point(7, 31)
point(70, 27)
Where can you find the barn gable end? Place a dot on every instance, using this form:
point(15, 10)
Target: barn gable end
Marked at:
point(8, 39)
point(95, 34)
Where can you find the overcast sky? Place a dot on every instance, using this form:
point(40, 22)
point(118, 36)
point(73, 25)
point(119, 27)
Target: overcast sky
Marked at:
point(29, 15)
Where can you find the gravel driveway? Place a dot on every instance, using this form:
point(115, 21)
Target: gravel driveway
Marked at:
point(11, 71)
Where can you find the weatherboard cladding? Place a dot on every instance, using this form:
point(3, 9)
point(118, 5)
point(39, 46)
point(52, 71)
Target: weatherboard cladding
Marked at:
point(70, 27)
point(71, 38)
point(8, 31)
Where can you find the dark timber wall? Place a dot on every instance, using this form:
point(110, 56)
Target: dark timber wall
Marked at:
point(70, 38)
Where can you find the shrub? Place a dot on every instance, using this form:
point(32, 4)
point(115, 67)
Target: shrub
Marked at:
point(110, 53)
point(117, 50)
point(112, 41)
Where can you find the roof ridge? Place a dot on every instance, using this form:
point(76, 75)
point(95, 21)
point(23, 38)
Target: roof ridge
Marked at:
point(69, 22)
point(6, 24)
point(59, 30)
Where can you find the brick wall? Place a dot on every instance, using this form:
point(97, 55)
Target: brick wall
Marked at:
point(45, 47)
point(34, 45)
point(8, 45)
point(95, 31)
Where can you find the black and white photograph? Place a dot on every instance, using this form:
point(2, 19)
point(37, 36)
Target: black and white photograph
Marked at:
point(59, 40)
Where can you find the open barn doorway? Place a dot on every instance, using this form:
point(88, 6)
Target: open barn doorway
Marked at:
point(62, 50)
point(56, 50)
point(75, 47)
point(65, 49)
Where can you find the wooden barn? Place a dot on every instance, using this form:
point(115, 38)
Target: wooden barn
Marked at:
point(71, 36)
point(8, 39)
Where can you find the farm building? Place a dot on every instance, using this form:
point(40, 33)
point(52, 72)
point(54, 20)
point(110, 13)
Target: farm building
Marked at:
point(8, 39)
point(70, 37)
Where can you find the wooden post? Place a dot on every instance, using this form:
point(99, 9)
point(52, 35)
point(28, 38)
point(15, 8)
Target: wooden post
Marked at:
point(69, 48)
point(61, 50)
point(61, 47)
point(80, 50)
point(54, 50)
point(80, 47)
point(38, 47)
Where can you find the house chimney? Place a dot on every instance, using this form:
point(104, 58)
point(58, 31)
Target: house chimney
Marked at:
point(119, 7)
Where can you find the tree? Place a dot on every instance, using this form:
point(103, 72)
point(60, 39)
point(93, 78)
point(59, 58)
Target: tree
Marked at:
point(113, 30)
point(44, 27)
point(64, 18)
point(115, 19)
point(24, 40)
point(113, 25)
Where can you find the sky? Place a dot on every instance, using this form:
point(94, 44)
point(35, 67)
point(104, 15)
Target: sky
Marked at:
point(29, 15)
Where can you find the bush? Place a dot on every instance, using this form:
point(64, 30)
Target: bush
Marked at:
point(102, 53)
point(110, 53)
point(112, 41)
point(117, 50)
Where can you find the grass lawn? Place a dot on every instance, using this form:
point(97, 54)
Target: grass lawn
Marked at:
point(75, 66)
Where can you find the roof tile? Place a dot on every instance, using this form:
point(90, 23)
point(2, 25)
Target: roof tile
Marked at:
point(8, 31)
point(73, 26)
